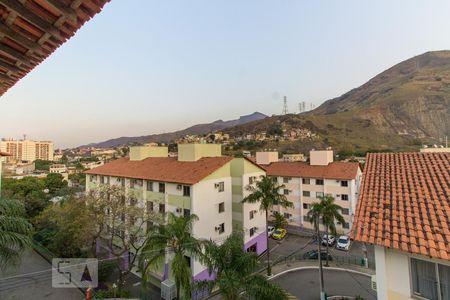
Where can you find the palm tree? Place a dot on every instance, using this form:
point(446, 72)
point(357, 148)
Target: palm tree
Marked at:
point(15, 231)
point(279, 220)
point(235, 272)
point(267, 193)
point(175, 239)
point(330, 214)
point(314, 215)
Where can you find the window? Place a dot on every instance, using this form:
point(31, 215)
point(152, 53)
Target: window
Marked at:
point(150, 186)
point(107, 180)
point(286, 192)
point(221, 228)
point(162, 187)
point(252, 231)
point(162, 208)
point(286, 179)
point(287, 215)
point(345, 211)
point(221, 207)
point(186, 212)
point(344, 197)
point(306, 194)
point(139, 182)
point(424, 278)
point(220, 186)
point(131, 183)
point(186, 190)
point(344, 183)
point(319, 194)
point(118, 180)
point(252, 214)
point(252, 179)
point(306, 181)
point(305, 219)
point(319, 181)
point(305, 206)
point(346, 225)
point(149, 206)
point(102, 179)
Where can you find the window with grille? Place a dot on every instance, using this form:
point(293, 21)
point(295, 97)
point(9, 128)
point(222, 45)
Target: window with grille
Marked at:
point(221, 207)
point(319, 181)
point(344, 183)
point(162, 187)
point(306, 181)
point(186, 191)
point(150, 186)
point(344, 197)
point(306, 194)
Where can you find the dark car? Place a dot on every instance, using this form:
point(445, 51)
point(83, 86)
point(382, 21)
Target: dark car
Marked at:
point(314, 255)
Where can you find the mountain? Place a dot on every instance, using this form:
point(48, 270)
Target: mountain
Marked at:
point(398, 109)
point(168, 137)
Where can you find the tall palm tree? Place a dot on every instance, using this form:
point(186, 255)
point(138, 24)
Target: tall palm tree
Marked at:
point(235, 272)
point(172, 239)
point(330, 214)
point(314, 216)
point(15, 231)
point(268, 193)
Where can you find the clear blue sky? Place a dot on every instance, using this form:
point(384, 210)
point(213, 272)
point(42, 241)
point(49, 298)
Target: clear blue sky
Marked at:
point(144, 66)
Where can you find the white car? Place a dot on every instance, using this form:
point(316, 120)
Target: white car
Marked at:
point(343, 243)
point(270, 230)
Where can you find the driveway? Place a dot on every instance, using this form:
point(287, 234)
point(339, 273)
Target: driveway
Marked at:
point(32, 279)
point(304, 284)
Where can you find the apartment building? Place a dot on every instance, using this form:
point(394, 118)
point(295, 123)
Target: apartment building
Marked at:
point(27, 150)
point(198, 181)
point(305, 182)
point(3, 155)
point(404, 211)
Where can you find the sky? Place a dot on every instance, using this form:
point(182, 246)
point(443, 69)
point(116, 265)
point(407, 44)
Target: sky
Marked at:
point(145, 66)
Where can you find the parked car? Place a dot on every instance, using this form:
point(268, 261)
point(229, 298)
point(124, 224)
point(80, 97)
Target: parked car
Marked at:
point(270, 230)
point(343, 243)
point(330, 239)
point(279, 233)
point(313, 254)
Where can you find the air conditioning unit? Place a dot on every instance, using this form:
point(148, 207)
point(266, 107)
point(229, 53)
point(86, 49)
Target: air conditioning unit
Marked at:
point(179, 210)
point(373, 282)
point(217, 228)
point(179, 187)
point(216, 185)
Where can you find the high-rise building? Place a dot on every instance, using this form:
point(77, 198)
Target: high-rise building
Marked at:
point(27, 150)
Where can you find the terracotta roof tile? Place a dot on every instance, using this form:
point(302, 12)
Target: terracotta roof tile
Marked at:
point(335, 170)
point(405, 203)
point(167, 169)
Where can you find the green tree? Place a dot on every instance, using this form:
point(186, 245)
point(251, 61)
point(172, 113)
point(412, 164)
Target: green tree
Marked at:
point(235, 270)
point(279, 221)
point(54, 182)
point(267, 193)
point(314, 216)
point(15, 232)
point(331, 212)
point(173, 239)
point(42, 165)
point(70, 224)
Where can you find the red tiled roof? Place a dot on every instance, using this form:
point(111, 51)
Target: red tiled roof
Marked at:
point(404, 203)
point(167, 169)
point(335, 170)
point(4, 154)
point(32, 30)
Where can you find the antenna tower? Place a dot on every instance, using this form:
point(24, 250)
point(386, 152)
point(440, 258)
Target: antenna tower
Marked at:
point(285, 108)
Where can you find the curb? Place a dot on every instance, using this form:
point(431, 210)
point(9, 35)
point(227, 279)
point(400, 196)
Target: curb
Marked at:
point(313, 268)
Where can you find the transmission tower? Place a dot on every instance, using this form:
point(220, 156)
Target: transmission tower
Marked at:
point(285, 108)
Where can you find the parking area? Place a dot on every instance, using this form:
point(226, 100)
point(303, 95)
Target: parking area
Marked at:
point(299, 244)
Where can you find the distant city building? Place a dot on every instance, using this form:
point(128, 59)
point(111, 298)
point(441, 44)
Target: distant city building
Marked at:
point(58, 168)
point(27, 150)
point(293, 157)
point(305, 183)
point(435, 149)
point(92, 164)
point(19, 168)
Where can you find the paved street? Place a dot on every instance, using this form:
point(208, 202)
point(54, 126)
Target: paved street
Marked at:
point(301, 244)
point(304, 284)
point(32, 279)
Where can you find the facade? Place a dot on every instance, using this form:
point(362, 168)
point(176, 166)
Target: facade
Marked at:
point(404, 211)
point(306, 182)
point(27, 150)
point(2, 155)
point(199, 181)
point(58, 168)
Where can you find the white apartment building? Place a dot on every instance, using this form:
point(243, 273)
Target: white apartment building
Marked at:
point(199, 181)
point(58, 168)
point(27, 150)
point(305, 182)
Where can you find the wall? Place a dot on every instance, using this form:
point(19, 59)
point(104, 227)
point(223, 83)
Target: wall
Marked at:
point(143, 152)
point(265, 158)
point(193, 152)
point(320, 157)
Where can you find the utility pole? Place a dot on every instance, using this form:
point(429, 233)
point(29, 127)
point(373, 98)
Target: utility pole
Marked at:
point(285, 108)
